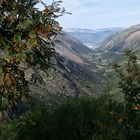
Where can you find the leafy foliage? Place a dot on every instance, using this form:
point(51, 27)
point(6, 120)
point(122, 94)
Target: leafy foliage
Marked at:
point(23, 28)
point(129, 83)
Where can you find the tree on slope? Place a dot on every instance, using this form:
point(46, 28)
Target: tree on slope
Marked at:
point(129, 83)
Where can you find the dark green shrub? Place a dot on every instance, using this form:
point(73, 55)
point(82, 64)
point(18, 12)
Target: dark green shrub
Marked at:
point(84, 119)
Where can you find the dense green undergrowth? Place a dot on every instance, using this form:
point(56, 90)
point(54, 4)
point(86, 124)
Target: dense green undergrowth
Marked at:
point(80, 119)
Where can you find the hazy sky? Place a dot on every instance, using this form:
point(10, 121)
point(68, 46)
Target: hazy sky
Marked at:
point(100, 13)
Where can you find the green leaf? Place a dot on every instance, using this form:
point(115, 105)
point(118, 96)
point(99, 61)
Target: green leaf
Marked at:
point(17, 38)
point(32, 42)
point(28, 22)
point(5, 46)
point(32, 35)
point(0, 115)
point(25, 24)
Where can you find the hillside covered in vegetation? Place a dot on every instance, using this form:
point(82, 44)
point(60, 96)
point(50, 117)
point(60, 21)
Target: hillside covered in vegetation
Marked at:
point(54, 87)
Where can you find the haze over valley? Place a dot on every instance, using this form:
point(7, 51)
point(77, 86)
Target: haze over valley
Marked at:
point(92, 38)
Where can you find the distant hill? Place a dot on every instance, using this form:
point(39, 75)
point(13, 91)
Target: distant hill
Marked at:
point(92, 38)
point(129, 38)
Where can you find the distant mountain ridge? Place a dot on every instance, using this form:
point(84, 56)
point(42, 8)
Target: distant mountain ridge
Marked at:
point(92, 38)
point(93, 30)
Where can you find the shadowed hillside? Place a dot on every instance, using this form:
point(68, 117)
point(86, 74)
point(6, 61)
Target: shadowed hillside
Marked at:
point(72, 75)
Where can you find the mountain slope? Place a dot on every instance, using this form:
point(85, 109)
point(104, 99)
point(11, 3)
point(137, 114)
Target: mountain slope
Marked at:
point(72, 75)
point(129, 38)
point(69, 47)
